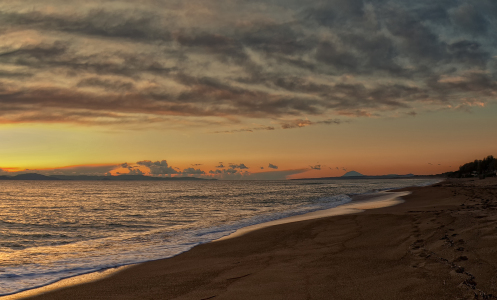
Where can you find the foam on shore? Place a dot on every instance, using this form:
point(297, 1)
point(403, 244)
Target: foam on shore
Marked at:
point(358, 204)
point(70, 281)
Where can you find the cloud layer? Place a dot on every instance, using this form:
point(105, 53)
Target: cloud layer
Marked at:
point(192, 63)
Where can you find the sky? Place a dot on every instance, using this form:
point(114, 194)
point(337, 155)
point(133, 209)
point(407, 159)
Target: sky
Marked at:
point(236, 89)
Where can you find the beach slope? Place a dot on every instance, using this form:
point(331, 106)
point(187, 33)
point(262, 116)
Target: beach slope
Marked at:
point(441, 243)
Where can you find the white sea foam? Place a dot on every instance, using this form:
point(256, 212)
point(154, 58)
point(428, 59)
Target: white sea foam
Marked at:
point(50, 231)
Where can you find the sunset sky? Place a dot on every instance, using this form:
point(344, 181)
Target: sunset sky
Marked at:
point(260, 89)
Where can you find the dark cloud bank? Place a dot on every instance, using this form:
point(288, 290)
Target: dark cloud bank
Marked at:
point(163, 169)
point(121, 63)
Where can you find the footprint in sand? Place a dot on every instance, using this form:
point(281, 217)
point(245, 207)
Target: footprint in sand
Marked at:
point(461, 258)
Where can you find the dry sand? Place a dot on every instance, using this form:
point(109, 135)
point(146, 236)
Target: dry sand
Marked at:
point(441, 243)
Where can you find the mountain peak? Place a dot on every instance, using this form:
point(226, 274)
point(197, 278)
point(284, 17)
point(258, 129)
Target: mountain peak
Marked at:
point(352, 174)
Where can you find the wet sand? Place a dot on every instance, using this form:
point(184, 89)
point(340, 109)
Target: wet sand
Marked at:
point(441, 243)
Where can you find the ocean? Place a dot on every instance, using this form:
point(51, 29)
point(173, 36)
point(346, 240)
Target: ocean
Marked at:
point(51, 230)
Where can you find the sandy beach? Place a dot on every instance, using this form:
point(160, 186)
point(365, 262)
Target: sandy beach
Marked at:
point(441, 243)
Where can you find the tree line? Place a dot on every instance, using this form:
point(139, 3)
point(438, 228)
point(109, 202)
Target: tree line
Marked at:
point(478, 168)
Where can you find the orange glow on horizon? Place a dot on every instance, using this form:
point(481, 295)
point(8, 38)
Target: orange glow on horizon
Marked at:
point(368, 146)
point(11, 170)
point(325, 171)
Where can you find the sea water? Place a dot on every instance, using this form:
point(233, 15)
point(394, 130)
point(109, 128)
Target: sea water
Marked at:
point(51, 230)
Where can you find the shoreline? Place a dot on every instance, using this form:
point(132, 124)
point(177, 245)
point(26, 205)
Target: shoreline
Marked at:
point(438, 244)
point(359, 203)
point(66, 282)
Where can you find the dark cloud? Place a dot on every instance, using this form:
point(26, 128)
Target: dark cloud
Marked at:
point(271, 175)
point(134, 171)
point(339, 60)
point(469, 19)
point(10, 74)
point(42, 51)
point(117, 85)
point(228, 174)
point(478, 82)
point(277, 39)
point(240, 166)
point(192, 171)
point(13, 113)
point(336, 13)
point(220, 166)
point(158, 167)
point(469, 53)
point(117, 62)
point(296, 123)
point(232, 174)
point(303, 123)
point(416, 40)
point(204, 40)
point(98, 22)
point(223, 47)
point(315, 167)
point(246, 130)
point(435, 12)
point(329, 122)
point(272, 166)
point(230, 171)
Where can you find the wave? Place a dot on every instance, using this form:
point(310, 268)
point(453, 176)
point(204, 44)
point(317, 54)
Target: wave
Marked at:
point(130, 246)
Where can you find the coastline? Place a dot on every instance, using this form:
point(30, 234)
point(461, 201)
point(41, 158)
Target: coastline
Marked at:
point(438, 244)
point(359, 203)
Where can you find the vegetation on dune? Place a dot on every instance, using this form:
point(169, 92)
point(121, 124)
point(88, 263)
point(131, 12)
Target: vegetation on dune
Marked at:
point(486, 167)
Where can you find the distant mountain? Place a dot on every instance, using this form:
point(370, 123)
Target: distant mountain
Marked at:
point(397, 175)
point(356, 175)
point(35, 176)
point(352, 174)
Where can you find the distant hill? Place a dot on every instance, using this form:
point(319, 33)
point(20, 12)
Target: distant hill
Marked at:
point(352, 174)
point(356, 175)
point(35, 176)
